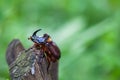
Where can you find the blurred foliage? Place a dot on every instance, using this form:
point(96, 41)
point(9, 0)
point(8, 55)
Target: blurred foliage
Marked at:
point(87, 31)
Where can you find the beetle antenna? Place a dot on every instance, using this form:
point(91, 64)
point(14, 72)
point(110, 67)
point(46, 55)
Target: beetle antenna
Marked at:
point(34, 34)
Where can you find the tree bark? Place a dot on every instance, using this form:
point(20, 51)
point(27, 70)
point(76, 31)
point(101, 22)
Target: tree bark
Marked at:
point(29, 64)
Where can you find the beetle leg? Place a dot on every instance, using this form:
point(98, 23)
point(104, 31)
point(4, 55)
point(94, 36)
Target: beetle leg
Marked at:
point(48, 61)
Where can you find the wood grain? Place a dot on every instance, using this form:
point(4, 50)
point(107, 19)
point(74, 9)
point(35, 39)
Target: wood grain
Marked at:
point(27, 64)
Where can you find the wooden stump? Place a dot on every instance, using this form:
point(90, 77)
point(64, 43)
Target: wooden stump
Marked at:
point(29, 64)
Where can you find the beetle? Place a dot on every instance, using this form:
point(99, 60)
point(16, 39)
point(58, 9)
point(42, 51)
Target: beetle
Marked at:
point(47, 46)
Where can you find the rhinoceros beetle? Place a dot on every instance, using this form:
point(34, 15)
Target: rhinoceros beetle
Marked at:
point(50, 49)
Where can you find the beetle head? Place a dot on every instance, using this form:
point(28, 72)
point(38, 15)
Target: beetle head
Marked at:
point(36, 39)
point(33, 37)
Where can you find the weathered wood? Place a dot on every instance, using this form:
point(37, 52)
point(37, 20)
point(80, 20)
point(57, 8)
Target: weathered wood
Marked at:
point(29, 64)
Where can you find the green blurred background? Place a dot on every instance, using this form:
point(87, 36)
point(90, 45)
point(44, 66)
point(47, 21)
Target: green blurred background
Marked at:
point(87, 32)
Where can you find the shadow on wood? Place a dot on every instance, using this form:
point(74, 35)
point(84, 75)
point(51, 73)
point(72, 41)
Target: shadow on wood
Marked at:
point(28, 64)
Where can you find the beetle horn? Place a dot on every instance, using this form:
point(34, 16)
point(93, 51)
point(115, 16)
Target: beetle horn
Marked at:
point(34, 34)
